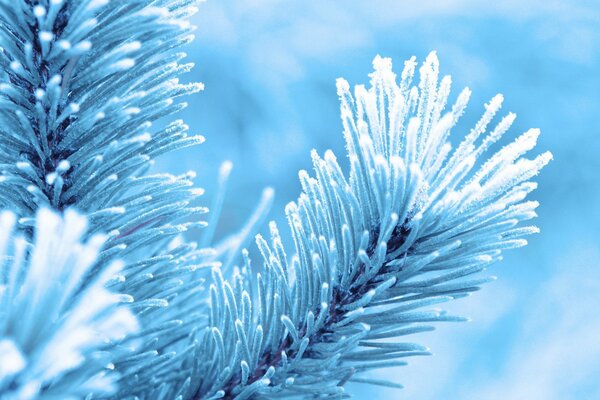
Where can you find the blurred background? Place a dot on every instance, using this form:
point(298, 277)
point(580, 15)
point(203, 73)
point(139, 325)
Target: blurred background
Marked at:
point(270, 67)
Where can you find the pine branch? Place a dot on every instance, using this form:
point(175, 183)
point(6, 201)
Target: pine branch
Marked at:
point(84, 81)
point(412, 226)
point(54, 330)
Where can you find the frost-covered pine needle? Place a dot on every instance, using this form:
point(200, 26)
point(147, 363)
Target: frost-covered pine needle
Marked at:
point(411, 226)
point(55, 325)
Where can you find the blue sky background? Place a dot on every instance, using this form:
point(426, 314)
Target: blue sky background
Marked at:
point(270, 67)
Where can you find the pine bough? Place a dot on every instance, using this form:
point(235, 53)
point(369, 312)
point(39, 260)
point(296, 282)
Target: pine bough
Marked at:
point(412, 225)
point(82, 84)
point(407, 229)
point(56, 331)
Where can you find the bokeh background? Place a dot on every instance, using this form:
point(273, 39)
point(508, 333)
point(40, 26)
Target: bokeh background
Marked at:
point(270, 66)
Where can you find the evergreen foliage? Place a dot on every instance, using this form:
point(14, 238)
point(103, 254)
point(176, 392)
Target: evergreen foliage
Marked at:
point(56, 331)
point(82, 84)
point(407, 229)
point(411, 225)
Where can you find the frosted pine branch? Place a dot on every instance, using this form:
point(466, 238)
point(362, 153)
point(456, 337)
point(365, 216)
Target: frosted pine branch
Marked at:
point(55, 326)
point(83, 82)
point(411, 226)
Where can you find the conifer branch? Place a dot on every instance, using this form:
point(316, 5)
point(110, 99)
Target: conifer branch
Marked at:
point(413, 225)
point(56, 332)
point(83, 84)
